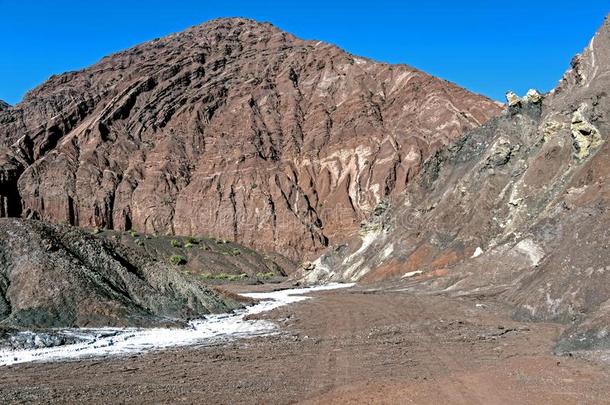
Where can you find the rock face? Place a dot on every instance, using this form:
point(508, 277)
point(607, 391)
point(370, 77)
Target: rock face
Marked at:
point(232, 128)
point(4, 105)
point(519, 209)
point(59, 276)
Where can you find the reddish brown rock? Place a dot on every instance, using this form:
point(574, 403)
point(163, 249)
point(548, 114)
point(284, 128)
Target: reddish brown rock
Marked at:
point(232, 128)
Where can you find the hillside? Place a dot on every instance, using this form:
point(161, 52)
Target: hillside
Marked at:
point(60, 276)
point(232, 129)
point(518, 209)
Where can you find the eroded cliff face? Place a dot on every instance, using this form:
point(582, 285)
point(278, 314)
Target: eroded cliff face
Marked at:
point(232, 128)
point(518, 209)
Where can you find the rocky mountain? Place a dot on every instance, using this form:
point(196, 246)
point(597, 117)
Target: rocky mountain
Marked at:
point(518, 209)
point(4, 105)
point(232, 128)
point(61, 276)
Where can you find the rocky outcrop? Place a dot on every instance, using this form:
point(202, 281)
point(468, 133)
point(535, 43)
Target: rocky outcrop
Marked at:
point(60, 276)
point(4, 105)
point(517, 209)
point(234, 129)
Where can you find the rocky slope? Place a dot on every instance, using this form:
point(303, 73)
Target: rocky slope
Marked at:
point(518, 208)
point(211, 260)
point(60, 276)
point(232, 128)
point(4, 105)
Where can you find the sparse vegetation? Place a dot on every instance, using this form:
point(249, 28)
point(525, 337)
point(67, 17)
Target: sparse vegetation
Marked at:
point(265, 276)
point(139, 242)
point(177, 260)
point(96, 230)
point(133, 233)
point(175, 243)
point(188, 245)
point(223, 276)
point(192, 241)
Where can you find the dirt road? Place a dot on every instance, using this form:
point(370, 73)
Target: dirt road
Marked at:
point(360, 345)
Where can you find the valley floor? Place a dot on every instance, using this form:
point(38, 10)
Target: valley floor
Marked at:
point(360, 345)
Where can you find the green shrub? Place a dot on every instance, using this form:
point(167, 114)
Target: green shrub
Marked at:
point(139, 242)
point(133, 233)
point(192, 241)
point(265, 276)
point(206, 276)
point(222, 276)
point(177, 260)
point(96, 230)
point(235, 252)
point(188, 245)
point(175, 243)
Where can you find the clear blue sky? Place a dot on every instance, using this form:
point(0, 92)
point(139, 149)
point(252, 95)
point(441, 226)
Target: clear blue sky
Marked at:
point(486, 46)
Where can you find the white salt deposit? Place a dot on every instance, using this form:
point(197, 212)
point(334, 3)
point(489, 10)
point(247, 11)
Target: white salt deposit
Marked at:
point(94, 343)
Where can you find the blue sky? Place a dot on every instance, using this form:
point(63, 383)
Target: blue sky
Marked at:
point(486, 46)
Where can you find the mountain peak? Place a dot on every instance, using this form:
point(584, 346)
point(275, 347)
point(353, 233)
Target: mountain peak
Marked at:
point(285, 144)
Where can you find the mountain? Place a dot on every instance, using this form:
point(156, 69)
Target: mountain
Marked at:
point(518, 209)
point(61, 276)
point(4, 105)
point(233, 129)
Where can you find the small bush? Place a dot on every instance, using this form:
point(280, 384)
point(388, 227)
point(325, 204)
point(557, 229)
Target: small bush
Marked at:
point(188, 245)
point(177, 260)
point(191, 241)
point(96, 230)
point(235, 252)
point(133, 233)
point(265, 276)
point(139, 242)
point(222, 276)
point(206, 276)
point(175, 243)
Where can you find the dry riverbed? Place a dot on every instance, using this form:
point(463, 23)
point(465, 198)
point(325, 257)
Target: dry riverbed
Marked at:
point(358, 345)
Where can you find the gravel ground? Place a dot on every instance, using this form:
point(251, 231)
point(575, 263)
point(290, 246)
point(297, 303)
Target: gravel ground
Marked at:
point(361, 345)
